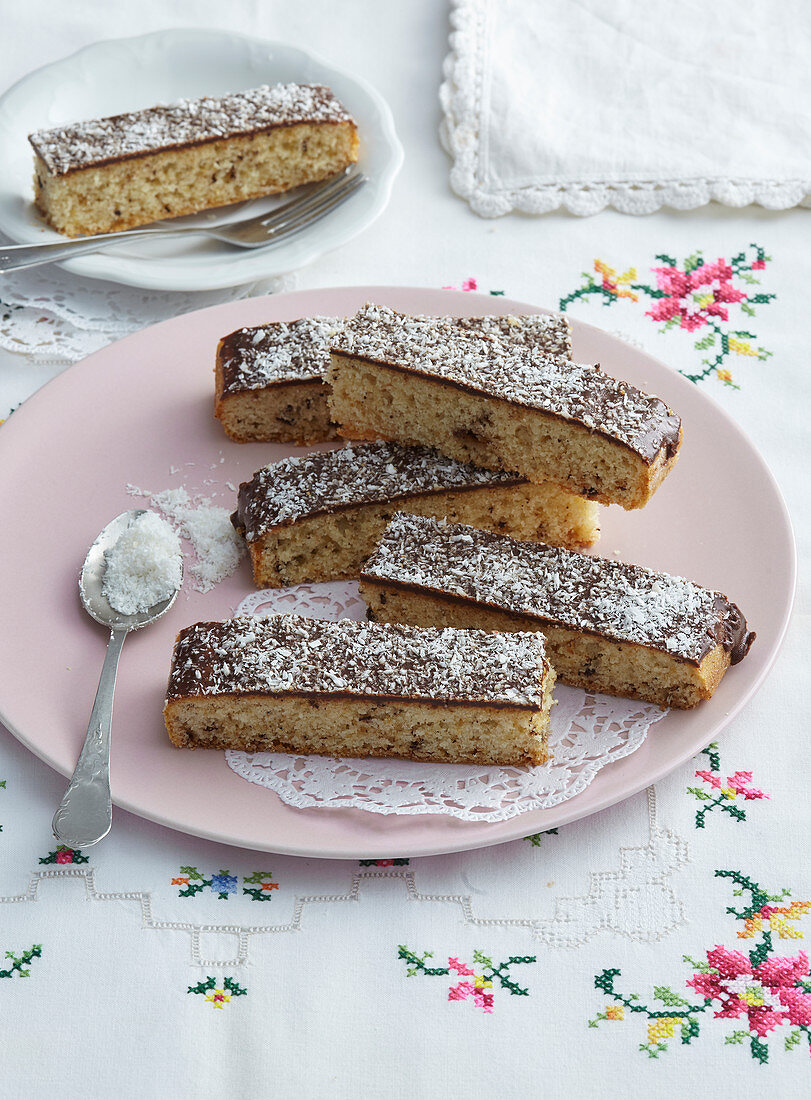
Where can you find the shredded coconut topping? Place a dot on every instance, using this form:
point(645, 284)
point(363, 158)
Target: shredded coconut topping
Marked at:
point(295, 351)
point(144, 567)
point(625, 603)
point(287, 654)
point(486, 361)
point(366, 473)
point(186, 122)
point(280, 351)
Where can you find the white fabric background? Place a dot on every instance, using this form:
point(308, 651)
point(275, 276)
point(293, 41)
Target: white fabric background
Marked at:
point(329, 1011)
point(632, 105)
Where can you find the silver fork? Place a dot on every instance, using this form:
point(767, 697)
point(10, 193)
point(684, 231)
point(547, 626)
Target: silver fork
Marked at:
point(278, 224)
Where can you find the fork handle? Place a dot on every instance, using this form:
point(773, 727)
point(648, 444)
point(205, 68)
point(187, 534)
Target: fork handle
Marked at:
point(13, 257)
point(85, 814)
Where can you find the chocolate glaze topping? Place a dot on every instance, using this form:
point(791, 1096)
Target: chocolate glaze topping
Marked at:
point(187, 122)
point(624, 603)
point(485, 363)
point(363, 473)
point(288, 655)
point(298, 351)
point(278, 352)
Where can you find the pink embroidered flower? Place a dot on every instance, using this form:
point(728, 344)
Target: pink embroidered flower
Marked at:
point(467, 284)
point(64, 855)
point(735, 784)
point(694, 296)
point(460, 992)
point(758, 265)
point(384, 863)
point(766, 994)
point(460, 968)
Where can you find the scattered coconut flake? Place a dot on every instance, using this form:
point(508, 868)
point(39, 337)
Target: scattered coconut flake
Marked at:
point(216, 545)
point(144, 567)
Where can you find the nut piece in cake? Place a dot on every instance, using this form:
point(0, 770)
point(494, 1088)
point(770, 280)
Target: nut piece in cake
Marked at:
point(609, 626)
point(110, 174)
point(270, 384)
point(288, 684)
point(318, 517)
point(481, 398)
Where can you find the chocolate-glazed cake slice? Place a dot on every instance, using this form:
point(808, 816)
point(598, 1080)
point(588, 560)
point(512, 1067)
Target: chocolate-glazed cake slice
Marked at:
point(287, 684)
point(271, 379)
point(270, 384)
point(481, 398)
point(318, 517)
point(609, 626)
point(114, 173)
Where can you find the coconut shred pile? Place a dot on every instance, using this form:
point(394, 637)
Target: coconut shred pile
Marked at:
point(144, 566)
point(208, 528)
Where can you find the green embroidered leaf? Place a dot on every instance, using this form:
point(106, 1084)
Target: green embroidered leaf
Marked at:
point(759, 1050)
point(203, 987)
point(707, 342)
point(482, 959)
point(734, 811)
point(736, 1038)
point(689, 1030)
point(668, 260)
point(697, 791)
point(793, 1038)
point(692, 262)
point(747, 309)
point(666, 995)
point(700, 965)
point(605, 980)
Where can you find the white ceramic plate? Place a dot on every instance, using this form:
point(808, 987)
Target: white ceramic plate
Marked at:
point(130, 73)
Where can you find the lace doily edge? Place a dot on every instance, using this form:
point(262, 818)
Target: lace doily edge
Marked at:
point(460, 95)
point(503, 813)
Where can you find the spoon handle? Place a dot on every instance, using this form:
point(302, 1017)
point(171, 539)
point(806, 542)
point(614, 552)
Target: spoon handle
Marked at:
point(85, 813)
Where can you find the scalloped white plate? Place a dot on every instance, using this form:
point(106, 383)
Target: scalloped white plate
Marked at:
point(126, 74)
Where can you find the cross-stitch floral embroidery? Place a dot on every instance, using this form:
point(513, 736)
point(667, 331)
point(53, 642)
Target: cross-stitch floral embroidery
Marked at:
point(724, 792)
point(535, 838)
point(400, 862)
point(63, 854)
point(257, 886)
point(699, 296)
point(218, 997)
point(762, 990)
point(479, 990)
point(19, 966)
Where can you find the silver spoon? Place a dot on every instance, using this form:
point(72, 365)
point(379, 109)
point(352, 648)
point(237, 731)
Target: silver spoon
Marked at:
point(85, 813)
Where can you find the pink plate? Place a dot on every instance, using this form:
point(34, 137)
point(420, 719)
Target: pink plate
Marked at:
point(140, 412)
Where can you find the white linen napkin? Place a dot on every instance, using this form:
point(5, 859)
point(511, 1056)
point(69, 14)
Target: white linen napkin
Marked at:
point(635, 104)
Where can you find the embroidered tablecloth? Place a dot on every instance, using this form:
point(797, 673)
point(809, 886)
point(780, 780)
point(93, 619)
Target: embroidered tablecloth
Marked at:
point(658, 948)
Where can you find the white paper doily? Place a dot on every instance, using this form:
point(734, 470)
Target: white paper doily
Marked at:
point(52, 316)
point(588, 732)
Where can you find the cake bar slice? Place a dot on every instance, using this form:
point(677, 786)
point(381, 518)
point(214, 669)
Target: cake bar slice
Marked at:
point(114, 173)
point(271, 380)
point(610, 627)
point(481, 398)
point(270, 384)
point(318, 517)
point(287, 684)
